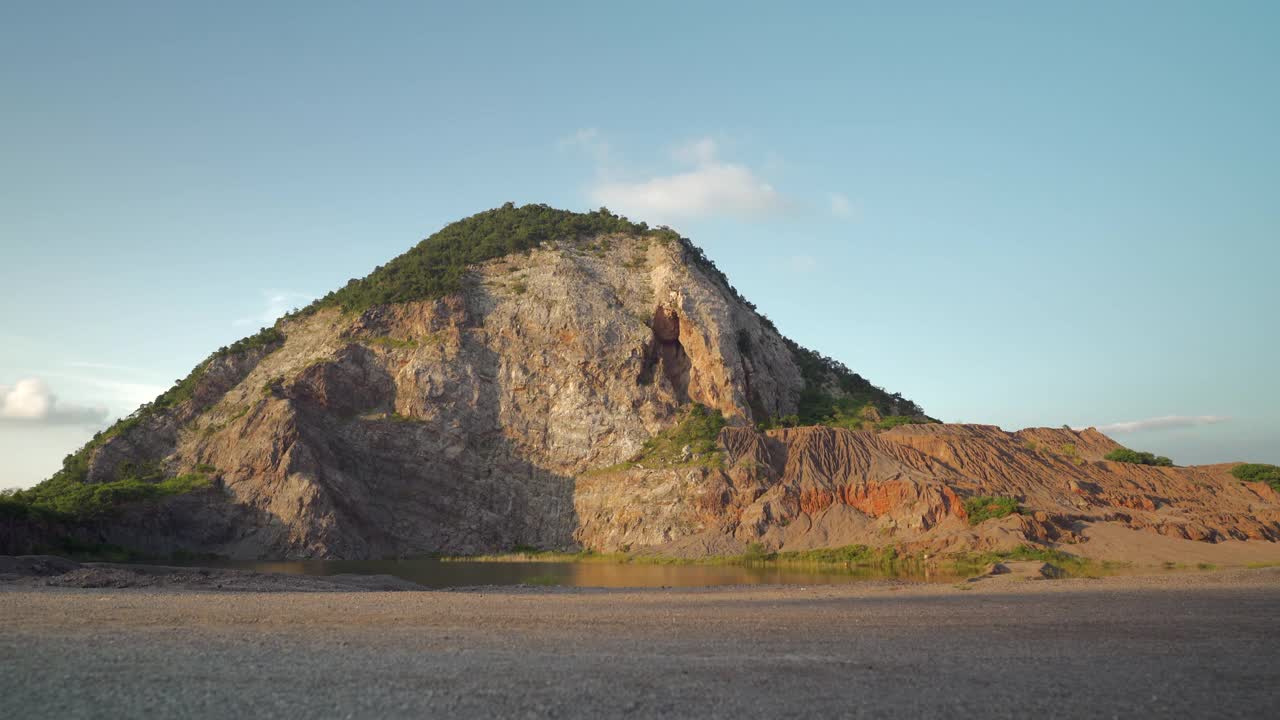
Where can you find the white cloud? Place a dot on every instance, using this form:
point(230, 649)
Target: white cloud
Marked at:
point(711, 186)
point(717, 188)
point(1167, 422)
point(707, 184)
point(30, 401)
point(841, 207)
point(278, 302)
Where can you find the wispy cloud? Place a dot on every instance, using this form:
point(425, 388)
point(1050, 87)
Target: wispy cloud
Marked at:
point(1167, 422)
point(590, 141)
point(277, 303)
point(30, 401)
point(802, 263)
point(697, 152)
point(841, 206)
point(119, 396)
point(87, 365)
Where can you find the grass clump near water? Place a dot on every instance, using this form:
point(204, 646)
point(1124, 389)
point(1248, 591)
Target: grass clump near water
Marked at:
point(75, 501)
point(887, 559)
point(1071, 565)
point(863, 557)
point(1258, 472)
point(1134, 457)
point(755, 554)
point(849, 555)
point(989, 507)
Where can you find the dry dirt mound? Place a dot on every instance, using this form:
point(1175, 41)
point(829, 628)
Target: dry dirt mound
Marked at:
point(820, 487)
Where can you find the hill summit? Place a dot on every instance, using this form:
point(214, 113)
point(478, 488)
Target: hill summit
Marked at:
point(530, 376)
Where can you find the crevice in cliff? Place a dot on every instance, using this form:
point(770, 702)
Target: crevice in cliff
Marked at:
point(665, 354)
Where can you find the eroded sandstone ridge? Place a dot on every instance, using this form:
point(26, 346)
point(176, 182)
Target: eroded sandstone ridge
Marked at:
point(504, 412)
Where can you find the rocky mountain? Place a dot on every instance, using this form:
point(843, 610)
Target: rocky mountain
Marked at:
point(533, 377)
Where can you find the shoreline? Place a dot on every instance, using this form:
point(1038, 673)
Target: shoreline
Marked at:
point(50, 573)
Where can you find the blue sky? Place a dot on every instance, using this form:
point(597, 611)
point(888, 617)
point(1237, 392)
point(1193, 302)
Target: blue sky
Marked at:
point(1013, 213)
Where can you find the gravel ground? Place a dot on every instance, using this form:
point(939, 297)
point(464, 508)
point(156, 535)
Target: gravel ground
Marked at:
point(1200, 644)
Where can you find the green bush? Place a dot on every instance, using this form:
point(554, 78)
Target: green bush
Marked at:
point(1134, 457)
point(1258, 472)
point(989, 507)
point(894, 421)
point(697, 430)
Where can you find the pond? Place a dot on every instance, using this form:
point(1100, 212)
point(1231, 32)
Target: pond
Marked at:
point(437, 573)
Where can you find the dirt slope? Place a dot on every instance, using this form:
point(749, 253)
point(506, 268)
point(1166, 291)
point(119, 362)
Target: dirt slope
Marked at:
point(818, 487)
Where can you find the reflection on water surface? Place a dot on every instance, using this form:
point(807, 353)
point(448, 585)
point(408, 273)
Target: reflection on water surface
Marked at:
point(435, 573)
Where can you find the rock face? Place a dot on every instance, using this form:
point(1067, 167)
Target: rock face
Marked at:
point(460, 424)
point(502, 415)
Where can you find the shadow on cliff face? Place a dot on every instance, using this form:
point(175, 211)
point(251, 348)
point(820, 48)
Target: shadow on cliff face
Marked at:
point(665, 354)
point(450, 481)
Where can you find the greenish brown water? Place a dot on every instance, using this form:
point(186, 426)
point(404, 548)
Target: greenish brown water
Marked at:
point(435, 573)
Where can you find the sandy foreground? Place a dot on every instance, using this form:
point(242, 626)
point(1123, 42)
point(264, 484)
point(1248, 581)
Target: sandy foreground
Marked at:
point(1190, 644)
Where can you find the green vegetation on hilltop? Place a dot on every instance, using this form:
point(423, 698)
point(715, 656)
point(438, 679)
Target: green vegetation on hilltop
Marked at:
point(436, 266)
point(989, 507)
point(1258, 472)
point(1134, 457)
point(833, 392)
point(63, 497)
point(835, 396)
